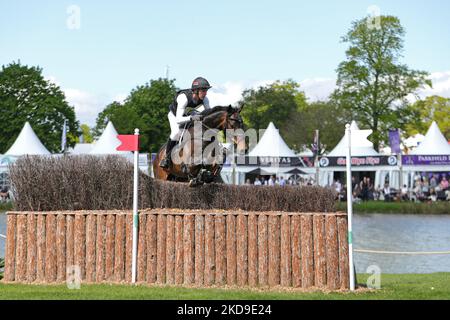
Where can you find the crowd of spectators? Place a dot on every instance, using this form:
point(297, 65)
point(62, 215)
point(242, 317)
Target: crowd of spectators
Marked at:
point(425, 189)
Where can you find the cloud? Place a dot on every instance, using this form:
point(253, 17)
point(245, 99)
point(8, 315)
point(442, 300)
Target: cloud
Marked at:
point(318, 88)
point(441, 85)
point(231, 91)
point(87, 105)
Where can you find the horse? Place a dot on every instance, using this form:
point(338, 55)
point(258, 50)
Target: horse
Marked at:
point(186, 167)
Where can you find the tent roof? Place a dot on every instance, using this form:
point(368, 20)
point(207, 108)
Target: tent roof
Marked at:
point(108, 142)
point(271, 144)
point(27, 143)
point(360, 145)
point(433, 144)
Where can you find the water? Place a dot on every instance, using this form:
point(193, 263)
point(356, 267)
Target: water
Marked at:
point(386, 232)
point(401, 232)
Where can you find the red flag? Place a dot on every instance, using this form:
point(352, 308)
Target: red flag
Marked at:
point(130, 142)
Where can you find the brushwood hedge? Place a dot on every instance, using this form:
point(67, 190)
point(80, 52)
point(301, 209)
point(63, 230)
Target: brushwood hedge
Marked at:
point(106, 183)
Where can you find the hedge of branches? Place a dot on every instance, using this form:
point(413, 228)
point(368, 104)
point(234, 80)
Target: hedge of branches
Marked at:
point(106, 183)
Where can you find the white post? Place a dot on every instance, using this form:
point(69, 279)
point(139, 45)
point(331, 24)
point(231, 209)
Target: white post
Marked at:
point(135, 212)
point(350, 208)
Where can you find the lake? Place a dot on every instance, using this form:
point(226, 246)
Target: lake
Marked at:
point(386, 232)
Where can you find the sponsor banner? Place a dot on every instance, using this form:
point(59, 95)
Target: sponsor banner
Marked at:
point(306, 162)
point(432, 160)
point(394, 141)
point(370, 161)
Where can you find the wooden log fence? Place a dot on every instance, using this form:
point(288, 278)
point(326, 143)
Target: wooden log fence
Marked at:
point(180, 247)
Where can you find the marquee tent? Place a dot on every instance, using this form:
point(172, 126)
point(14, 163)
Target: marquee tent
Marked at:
point(361, 146)
point(270, 146)
point(434, 143)
point(108, 142)
point(27, 142)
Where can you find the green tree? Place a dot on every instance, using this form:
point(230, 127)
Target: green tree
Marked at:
point(276, 102)
point(145, 108)
point(372, 83)
point(86, 133)
point(424, 112)
point(324, 116)
point(26, 96)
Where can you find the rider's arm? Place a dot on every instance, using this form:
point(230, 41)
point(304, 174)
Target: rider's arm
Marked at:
point(206, 103)
point(181, 107)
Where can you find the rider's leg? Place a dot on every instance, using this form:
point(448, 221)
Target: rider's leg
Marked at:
point(165, 163)
point(174, 133)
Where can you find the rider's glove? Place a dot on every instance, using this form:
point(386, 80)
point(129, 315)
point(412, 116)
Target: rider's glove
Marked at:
point(196, 117)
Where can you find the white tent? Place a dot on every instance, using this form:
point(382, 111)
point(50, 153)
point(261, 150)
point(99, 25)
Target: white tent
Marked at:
point(433, 144)
point(27, 143)
point(271, 144)
point(361, 146)
point(414, 141)
point(108, 142)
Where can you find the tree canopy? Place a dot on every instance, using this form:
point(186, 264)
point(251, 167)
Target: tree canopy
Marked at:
point(26, 96)
point(276, 102)
point(324, 116)
point(372, 82)
point(424, 112)
point(145, 108)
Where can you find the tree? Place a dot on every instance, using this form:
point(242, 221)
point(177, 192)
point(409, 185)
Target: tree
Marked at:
point(145, 108)
point(324, 116)
point(276, 102)
point(26, 96)
point(426, 111)
point(86, 133)
point(372, 83)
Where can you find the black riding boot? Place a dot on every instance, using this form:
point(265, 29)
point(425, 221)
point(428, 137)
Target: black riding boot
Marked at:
point(165, 163)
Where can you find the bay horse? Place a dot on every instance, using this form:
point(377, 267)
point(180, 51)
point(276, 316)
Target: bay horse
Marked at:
point(186, 165)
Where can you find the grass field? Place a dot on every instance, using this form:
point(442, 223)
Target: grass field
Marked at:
point(440, 207)
point(393, 287)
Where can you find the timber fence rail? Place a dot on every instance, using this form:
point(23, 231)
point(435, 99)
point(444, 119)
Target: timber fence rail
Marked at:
point(181, 247)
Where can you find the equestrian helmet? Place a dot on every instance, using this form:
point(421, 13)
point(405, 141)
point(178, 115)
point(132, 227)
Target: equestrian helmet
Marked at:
point(200, 83)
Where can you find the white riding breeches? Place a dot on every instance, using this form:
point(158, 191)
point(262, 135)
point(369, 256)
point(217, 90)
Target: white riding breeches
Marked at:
point(175, 130)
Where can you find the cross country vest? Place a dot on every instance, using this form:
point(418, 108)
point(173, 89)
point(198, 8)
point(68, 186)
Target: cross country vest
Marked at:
point(190, 106)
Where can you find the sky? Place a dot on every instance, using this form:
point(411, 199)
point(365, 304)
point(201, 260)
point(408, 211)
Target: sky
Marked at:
point(98, 51)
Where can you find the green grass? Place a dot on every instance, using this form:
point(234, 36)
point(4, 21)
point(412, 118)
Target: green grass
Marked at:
point(440, 207)
point(393, 287)
point(6, 206)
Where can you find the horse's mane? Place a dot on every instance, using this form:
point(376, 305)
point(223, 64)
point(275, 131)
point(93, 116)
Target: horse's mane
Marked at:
point(209, 112)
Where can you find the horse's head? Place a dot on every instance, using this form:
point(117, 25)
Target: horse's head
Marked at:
point(234, 120)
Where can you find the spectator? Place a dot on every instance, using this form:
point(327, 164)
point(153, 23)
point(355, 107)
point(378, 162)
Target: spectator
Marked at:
point(4, 193)
point(404, 193)
point(387, 193)
point(444, 183)
point(282, 181)
point(338, 186)
point(433, 182)
point(364, 189)
point(433, 195)
point(271, 181)
point(257, 182)
point(248, 182)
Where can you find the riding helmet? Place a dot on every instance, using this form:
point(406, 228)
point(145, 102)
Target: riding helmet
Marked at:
point(200, 83)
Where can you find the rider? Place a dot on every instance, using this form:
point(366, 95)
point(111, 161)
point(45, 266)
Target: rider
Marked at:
point(184, 102)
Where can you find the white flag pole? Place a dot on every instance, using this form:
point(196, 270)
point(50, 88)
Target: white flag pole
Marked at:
point(350, 208)
point(135, 212)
